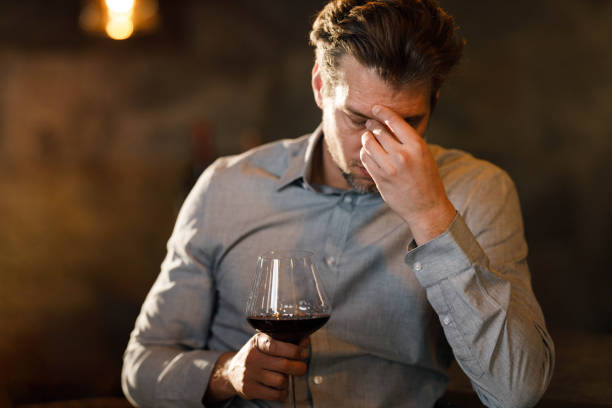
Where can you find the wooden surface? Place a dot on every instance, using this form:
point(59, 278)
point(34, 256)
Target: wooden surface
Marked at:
point(83, 403)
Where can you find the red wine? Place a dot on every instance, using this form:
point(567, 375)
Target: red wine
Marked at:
point(288, 329)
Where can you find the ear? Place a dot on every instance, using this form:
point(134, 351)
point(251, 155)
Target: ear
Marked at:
point(317, 85)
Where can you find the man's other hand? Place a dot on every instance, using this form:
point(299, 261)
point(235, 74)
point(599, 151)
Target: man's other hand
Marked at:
point(259, 370)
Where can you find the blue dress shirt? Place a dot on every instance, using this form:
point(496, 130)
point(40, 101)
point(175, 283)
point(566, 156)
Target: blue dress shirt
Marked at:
point(400, 312)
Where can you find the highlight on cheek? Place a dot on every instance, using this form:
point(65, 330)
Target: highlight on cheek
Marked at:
point(341, 91)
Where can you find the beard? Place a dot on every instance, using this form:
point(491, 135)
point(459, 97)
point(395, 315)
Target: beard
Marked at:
point(359, 184)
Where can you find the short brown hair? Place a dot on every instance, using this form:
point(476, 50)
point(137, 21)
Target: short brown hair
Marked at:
point(403, 40)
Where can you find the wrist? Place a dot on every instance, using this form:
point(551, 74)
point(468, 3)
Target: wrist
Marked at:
point(219, 386)
point(431, 224)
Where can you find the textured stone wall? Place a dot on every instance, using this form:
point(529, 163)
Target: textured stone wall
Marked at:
point(97, 147)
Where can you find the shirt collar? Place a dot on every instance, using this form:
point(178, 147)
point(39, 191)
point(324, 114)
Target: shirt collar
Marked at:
point(299, 166)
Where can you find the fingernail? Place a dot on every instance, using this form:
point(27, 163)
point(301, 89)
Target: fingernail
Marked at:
point(368, 123)
point(375, 109)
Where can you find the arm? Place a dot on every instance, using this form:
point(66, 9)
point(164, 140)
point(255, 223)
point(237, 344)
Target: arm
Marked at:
point(473, 268)
point(167, 363)
point(486, 307)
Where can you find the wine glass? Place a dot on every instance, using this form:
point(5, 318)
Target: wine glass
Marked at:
point(287, 299)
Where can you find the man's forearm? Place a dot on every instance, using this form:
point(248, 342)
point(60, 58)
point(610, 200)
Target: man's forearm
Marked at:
point(490, 318)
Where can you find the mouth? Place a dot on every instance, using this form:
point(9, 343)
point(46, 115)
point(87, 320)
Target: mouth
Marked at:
point(364, 172)
point(359, 179)
point(358, 171)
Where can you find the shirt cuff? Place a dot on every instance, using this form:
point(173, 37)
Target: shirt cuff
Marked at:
point(452, 252)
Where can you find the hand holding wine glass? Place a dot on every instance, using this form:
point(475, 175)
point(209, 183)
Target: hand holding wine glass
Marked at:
point(287, 300)
point(259, 370)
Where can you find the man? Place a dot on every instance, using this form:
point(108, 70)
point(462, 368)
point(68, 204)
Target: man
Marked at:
point(420, 248)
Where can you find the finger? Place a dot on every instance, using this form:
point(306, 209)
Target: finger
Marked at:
point(268, 345)
point(396, 124)
point(304, 346)
point(369, 164)
point(387, 140)
point(304, 343)
point(273, 379)
point(285, 366)
point(272, 394)
point(256, 390)
point(374, 150)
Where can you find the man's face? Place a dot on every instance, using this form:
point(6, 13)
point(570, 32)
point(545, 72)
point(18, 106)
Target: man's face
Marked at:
point(346, 106)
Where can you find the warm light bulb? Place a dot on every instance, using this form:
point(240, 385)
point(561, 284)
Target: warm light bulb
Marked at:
point(120, 6)
point(119, 27)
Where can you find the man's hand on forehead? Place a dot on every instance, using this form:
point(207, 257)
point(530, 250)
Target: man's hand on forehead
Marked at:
point(405, 173)
point(394, 122)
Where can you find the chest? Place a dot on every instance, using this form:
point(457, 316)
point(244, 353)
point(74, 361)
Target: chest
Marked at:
point(378, 305)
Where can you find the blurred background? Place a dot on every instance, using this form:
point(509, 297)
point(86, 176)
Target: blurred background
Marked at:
point(101, 138)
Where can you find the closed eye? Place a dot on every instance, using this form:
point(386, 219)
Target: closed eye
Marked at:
point(356, 122)
point(359, 123)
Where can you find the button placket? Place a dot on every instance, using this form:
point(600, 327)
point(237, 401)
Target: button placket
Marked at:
point(338, 230)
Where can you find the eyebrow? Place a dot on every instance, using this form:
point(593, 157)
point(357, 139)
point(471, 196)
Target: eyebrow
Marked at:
point(410, 119)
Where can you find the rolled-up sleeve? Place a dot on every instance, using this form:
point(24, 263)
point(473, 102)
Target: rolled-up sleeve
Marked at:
point(477, 280)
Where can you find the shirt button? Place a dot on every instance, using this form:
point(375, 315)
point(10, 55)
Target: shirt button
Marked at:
point(446, 320)
point(417, 266)
point(330, 260)
point(317, 379)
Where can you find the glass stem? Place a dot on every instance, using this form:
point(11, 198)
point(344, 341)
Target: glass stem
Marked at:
point(292, 391)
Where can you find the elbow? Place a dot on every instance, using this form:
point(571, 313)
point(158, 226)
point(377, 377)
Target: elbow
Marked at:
point(129, 385)
point(522, 389)
point(536, 380)
point(130, 390)
point(530, 390)
point(532, 380)
point(132, 381)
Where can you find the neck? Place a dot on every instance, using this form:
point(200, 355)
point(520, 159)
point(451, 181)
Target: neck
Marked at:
point(324, 169)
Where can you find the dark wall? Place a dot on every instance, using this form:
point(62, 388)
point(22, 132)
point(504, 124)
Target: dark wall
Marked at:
point(98, 140)
point(534, 96)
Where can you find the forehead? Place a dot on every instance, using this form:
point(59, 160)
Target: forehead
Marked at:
point(359, 87)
